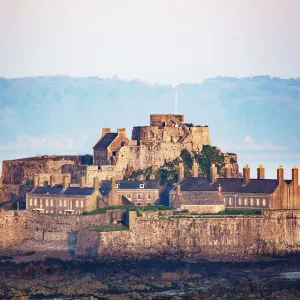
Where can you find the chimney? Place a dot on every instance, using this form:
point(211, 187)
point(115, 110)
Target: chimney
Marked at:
point(213, 173)
point(114, 197)
point(96, 184)
point(36, 181)
point(295, 176)
point(52, 180)
point(178, 189)
point(260, 172)
point(246, 174)
point(227, 171)
point(66, 181)
point(279, 174)
point(82, 181)
point(105, 131)
point(180, 171)
point(195, 169)
point(122, 131)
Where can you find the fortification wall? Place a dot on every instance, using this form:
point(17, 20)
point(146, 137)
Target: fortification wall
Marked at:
point(16, 226)
point(61, 227)
point(274, 232)
point(21, 170)
point(13, 228)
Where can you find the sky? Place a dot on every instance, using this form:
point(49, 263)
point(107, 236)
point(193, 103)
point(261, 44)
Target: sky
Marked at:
point(165, 41)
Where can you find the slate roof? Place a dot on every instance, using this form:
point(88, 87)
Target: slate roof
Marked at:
point(104, 142)
point(105, 187)
point(266, 186)
point(229, 185)
point(58, 190)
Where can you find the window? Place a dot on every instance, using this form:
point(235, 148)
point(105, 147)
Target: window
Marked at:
point(230, 201)
point(149, 204)
point(139, 196)
point(139, 203)
point(65, 203)
point(251, 201)
point(47, 202)
point(142, 185)
point(51, 202)
point(81, 203)
point(60, 202)
point(35, 202)
point(149, 196)
point(41, 203)
point(128, 196)
point(257, 202)
point(264, 202)
point(240, 201)
point(51, 211)
point(60, 211)
point(46, 211)
point(30, 201)
point(245, 201)
point(77, 203)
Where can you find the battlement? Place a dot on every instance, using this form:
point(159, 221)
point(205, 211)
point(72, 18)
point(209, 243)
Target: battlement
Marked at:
point(166, 120)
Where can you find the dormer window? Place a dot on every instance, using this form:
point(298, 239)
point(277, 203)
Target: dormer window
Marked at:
point(142, 185)
point(117, 185)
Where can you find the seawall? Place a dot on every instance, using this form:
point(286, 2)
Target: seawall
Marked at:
point(275, 232)
point(16, 226)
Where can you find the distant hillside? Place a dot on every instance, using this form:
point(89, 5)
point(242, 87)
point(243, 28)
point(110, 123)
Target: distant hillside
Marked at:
point(60, 114)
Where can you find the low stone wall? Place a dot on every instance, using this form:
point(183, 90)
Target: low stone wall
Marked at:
point(13, 228)
point(204, 209)
point(276, 232)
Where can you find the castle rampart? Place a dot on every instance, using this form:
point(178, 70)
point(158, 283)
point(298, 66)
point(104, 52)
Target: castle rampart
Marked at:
point(275, 232)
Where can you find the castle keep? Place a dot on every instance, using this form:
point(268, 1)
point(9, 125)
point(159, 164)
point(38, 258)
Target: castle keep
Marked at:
point(152, 145)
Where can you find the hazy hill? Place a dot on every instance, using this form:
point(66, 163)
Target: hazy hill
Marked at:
point(256, 117)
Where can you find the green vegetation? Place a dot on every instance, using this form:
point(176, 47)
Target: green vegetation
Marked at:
point(208, 156)
point(168, 173)
point(240, 212)
point(108, 228)
point(138, 209)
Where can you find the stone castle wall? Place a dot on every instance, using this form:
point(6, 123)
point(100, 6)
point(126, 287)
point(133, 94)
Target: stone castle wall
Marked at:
point(16, 226)
point(276, 232)
point(17, 175)
point(13, 228)
point(19, 171)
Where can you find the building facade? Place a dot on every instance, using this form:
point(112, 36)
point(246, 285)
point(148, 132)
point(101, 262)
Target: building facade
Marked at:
point(63, 199)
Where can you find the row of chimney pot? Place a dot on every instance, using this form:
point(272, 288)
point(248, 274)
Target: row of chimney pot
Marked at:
point(246, 173)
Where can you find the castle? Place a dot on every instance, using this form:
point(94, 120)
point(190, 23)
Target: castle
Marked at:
point(152, 145)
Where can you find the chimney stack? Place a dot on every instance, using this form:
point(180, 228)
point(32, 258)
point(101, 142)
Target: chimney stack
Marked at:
point(52, 180)
point(227, 171)
point(96, 184)
point(180, 171)
point(295, 176)
point(122, 131)
point(66, 181)
point(178, 190)
point(279, 174)
point(246, 174)
point(213, 173)
point(36, 181)
point(260, 172)
point(105, 131)
point(195, 169)
point(82, 181)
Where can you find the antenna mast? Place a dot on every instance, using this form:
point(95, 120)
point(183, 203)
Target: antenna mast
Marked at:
point(176, 99)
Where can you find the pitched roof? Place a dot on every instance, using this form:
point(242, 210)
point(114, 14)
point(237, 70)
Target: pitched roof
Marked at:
point(58, 190)
point(105, 141)
point(229, 185)
point(265, 186)
point(105, 186)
